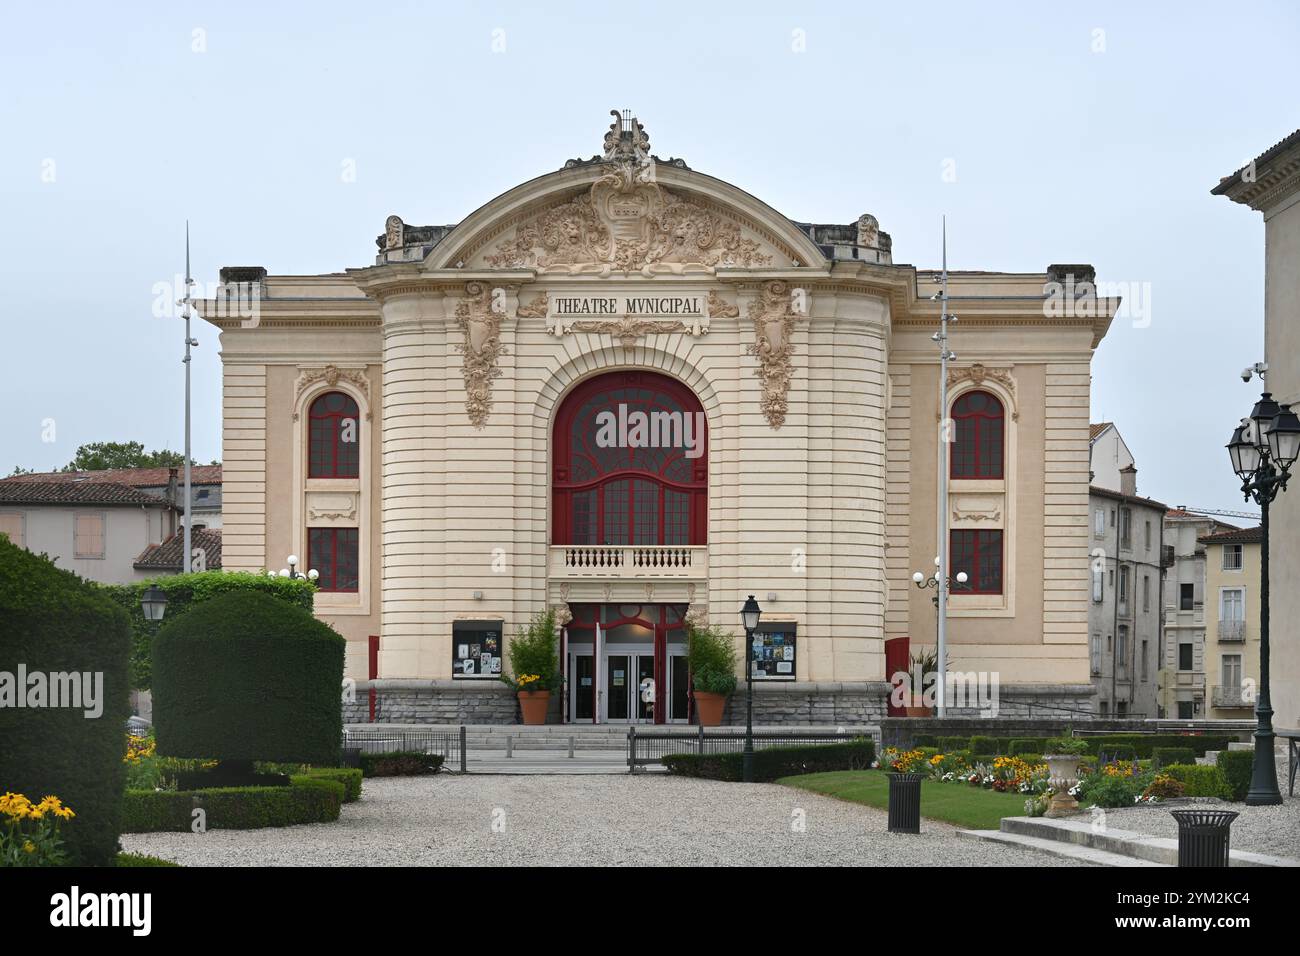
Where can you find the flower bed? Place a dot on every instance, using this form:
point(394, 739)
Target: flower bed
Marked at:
point(1114, 784)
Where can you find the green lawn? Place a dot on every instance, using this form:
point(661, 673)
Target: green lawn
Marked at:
point(972, 808)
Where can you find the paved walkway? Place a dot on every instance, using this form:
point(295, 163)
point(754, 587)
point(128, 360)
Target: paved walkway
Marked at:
point(649, 819)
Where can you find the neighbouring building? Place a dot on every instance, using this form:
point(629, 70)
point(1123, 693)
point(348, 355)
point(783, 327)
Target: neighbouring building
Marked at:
point(97, 529)
point(634, 393)
point(1270, 184)
point(168, 483)
point(1183, 670)
point(1125, 612)
point(1232, 569)
point(1108, 455)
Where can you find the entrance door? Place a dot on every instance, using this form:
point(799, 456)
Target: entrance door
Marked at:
point(616, 652)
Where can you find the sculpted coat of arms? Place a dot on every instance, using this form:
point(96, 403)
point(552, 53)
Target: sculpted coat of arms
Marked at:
point(626, 222)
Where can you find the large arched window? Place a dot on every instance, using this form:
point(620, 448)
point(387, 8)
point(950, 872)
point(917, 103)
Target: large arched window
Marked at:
point(978, 445)
point(630, 463)
point(335, 437)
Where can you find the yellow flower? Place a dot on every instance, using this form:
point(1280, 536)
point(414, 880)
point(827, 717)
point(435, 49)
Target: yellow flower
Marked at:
point(29, 846)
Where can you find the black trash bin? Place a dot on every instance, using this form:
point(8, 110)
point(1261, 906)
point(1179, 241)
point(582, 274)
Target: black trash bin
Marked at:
point(1203, 836)
point(905, 802)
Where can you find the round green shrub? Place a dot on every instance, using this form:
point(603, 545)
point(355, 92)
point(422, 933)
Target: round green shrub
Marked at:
point(52, 622)
point(1238, 768)
point(245, 676)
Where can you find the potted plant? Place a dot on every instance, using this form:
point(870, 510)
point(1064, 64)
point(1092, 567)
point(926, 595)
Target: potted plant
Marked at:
point(1063, 755)
point(535, 666)
point(711, 657)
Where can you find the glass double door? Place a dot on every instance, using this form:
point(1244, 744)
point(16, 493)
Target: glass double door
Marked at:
point(626, 664)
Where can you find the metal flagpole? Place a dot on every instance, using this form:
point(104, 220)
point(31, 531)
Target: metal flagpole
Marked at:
point(945, 427)
point(187, 556)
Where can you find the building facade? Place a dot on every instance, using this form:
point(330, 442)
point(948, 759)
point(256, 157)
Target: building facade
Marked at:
point(634, 393)
point(1125, 612)
point(1108, 456)
point(97, 529)
point(1232, 568)
point(1270, 184)
point(1183, 670)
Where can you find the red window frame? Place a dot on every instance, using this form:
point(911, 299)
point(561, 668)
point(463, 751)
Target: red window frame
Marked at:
point(323, 548)
point(984, 425)
point(620, 491)
point(328, 456)
point(978, 553)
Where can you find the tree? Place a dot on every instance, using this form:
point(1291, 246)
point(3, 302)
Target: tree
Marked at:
point(103, 455)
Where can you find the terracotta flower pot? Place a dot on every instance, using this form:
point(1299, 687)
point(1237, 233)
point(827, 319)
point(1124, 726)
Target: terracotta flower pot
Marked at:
point(915, 707)
point(533, 703)
point(708, 707)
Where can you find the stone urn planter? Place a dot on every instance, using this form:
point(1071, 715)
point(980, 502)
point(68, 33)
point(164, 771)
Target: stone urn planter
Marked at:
point(1063, 773)
point(709, 707)
point(533, 704)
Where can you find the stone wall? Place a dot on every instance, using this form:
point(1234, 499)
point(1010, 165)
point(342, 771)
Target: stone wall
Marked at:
point(809, 703)
point(435, 702)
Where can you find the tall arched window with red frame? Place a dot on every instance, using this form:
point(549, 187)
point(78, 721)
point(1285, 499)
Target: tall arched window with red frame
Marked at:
point(334, 437)
point(630, 463)
point(978, 436)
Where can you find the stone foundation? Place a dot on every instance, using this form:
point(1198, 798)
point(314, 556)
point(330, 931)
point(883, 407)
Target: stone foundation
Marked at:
point(810, 704)
point(435, 702)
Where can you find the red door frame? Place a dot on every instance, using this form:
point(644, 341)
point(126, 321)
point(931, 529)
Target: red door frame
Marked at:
point(373, 671)
point(563, 487)
point(660, 627)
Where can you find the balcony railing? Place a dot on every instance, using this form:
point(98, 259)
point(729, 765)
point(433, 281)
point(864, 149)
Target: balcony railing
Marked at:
point(1229, 697)
point(1232, 632)
point(629, 561)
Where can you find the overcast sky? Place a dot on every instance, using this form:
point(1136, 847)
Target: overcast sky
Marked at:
point(1046, 133)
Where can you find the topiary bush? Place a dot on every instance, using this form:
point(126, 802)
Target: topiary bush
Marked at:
point(1237, 766)
point(184, 591)
point(926, 740)
point(954, 743)
point(350, 777)
point(1025, 745)
point(53, 622)
point(245, 676)
point(1200, 781)
point(987, 745)
point(306, 800)
point(1162, 756)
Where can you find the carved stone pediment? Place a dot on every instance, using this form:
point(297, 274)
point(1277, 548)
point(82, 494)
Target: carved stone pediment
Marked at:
point(626, 224)
point(479, 320)
point(978, 374)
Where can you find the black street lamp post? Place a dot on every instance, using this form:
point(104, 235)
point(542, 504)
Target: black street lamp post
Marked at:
point(1263, 449)
point(749, 615)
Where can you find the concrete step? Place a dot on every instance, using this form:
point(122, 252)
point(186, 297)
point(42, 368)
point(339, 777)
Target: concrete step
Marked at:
point(1071, 851)
point(1081, 831)
point(1241, 745)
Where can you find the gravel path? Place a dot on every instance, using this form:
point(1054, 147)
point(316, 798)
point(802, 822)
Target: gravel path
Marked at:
point(586, 821)
point(1274, 830)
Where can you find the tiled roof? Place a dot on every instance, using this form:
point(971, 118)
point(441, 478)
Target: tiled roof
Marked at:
point(132, 477)
point(1136, 499)
point(1237, 536)
point(1096, 428)
point(1283, 144)
point(167, 555)
point(74, 493)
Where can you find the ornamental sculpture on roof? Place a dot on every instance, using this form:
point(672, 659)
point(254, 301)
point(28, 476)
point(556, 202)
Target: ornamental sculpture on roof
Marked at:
point(626, 222)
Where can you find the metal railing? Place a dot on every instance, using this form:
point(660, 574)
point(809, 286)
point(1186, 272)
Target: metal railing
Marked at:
point(646, 747)
point(1230, 696)
point(449, 744)
point(1232, 632)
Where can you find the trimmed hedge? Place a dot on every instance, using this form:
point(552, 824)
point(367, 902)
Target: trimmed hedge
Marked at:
point(184, 591)
point(245, 676)
point(1200, 781)
point(306, 800)
point(989, 745)
point(1144, 744)
point(1026, 745)
point(53, 622)
point(1163, 756)
point(771, 763)
point(954, 743)
point(1238, 766)
point(926, 740)
point(400, 763)
point(139, 859)
point(350, 777)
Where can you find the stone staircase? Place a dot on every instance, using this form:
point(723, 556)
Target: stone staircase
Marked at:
point(1077, 839)
point(1211, 757)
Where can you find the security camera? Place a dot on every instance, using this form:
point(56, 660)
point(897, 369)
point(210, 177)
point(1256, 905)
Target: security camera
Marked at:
point(1246, 373)
point(1259, 368)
